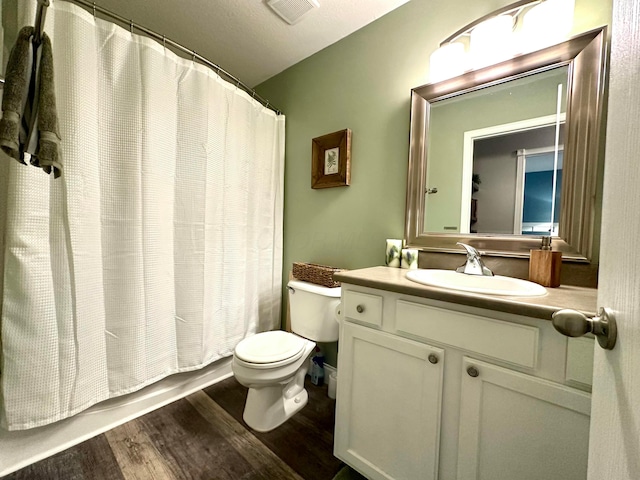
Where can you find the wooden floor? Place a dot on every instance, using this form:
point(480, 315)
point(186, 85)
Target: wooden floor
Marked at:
point(203, 437)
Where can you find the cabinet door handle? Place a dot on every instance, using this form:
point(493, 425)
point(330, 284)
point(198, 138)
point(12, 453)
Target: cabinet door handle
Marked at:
point(359, 309)
point(473, 372)
point(433, 358)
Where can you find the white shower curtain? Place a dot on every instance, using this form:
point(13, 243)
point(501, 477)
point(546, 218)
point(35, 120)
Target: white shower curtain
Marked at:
point(158, 249)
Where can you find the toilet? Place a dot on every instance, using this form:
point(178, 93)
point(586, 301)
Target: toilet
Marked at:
point(273, 364)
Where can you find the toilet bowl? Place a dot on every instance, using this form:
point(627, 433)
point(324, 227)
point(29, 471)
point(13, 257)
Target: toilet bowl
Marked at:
point(275, 381)
point(273, 364)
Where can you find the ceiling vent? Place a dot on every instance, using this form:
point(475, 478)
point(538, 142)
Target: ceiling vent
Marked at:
point(292, 11)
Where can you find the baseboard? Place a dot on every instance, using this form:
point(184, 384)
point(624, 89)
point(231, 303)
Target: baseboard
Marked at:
point(22, 448)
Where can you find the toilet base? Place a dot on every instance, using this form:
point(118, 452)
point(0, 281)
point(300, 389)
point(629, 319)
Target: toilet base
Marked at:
point(269, 407)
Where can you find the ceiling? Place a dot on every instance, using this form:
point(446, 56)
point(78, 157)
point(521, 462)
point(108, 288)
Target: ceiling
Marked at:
point(245, 37)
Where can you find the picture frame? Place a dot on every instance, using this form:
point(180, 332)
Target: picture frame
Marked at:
point(331, 160)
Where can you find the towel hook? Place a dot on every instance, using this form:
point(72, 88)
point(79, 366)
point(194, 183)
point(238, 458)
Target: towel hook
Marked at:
point(40, 20)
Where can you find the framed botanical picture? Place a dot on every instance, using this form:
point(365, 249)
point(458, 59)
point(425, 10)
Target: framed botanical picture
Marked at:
point(331, 160)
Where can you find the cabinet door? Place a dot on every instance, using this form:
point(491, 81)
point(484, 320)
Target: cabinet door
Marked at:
point(388, 405)
point(515, 426)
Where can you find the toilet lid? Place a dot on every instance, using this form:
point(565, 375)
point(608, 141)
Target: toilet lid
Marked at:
point(269, 347)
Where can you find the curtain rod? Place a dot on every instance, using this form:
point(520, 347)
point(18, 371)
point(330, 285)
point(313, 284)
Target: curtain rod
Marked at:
point(132, 25)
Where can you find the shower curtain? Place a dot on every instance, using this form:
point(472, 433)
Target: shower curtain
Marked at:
point(159, 247)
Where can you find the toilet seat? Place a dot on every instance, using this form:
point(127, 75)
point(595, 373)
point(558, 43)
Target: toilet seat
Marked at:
point(269, 349)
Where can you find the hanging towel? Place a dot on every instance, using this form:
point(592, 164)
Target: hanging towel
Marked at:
point(13, 138)
point(47, 155)
point(30, 121)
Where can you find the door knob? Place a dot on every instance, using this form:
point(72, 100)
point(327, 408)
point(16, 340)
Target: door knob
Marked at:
point(575, 324)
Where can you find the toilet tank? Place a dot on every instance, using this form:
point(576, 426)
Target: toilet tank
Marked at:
point(313, 311)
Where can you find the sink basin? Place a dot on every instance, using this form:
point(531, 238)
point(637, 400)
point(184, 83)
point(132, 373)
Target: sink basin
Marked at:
point(496, 285)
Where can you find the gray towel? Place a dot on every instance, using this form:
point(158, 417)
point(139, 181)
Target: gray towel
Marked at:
point(29, 106)
point(47, 156)
point(14, 95)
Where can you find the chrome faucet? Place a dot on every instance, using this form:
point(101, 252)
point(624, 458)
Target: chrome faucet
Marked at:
point(474, 264)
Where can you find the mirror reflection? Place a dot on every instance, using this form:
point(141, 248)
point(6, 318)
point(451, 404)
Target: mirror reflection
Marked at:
point(519, 182)
point(492, 154)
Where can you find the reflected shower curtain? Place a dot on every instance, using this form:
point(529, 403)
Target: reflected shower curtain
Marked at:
point(158, 249)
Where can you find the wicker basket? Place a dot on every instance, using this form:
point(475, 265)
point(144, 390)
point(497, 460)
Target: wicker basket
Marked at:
point(318, 274)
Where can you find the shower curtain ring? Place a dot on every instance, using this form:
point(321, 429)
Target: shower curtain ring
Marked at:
point(94, 9)
point(131, 25)
point(164, 41)
point(193, 55)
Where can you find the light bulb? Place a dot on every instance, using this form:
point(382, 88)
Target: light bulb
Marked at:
point(446, 62)
point(548, 23)
point(491, 41)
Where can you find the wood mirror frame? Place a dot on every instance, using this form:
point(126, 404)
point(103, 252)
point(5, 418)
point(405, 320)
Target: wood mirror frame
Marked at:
point(585, 55)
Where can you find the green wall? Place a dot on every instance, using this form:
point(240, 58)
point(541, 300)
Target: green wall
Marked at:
point(363, 82)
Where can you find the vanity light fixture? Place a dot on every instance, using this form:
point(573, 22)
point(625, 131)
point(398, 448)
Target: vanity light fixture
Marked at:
point(520, 27)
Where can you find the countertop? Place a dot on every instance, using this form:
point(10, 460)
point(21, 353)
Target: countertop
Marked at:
point(394, 280)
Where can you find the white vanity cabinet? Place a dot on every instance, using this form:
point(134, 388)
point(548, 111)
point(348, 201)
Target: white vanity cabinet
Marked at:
point(434, 390)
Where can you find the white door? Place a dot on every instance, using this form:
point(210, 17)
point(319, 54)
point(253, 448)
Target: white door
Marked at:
point(614, 443)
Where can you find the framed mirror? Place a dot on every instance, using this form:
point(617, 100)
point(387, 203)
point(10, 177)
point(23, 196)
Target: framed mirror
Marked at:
point(504, 155)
